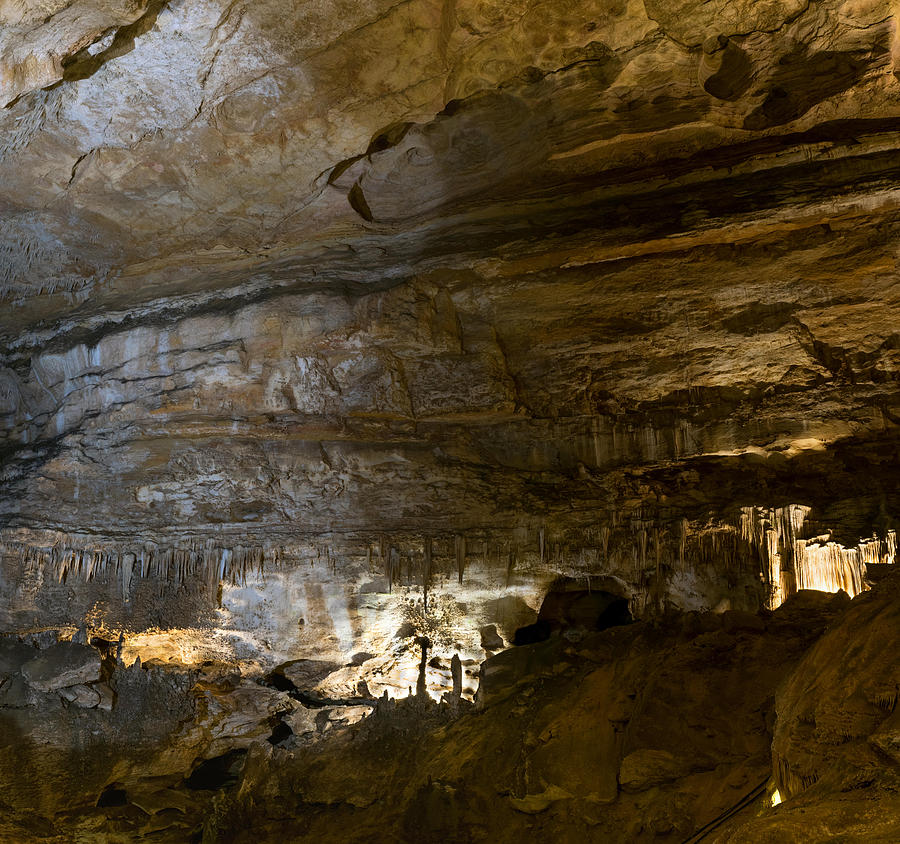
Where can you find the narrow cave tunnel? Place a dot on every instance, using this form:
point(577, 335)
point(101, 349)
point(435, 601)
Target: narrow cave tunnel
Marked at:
point(465, 421)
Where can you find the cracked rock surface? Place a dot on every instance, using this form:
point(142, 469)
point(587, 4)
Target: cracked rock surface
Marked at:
point(332, 327)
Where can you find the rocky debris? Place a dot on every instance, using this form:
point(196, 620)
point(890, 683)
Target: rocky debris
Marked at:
point(491, 640)
point(235, 717)
point(342, 716)
point(302, 721)
point(62, 665)
point(303, 673)
point(107, 697)
point(80, 695)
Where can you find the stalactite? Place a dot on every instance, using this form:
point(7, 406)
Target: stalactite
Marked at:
point(460, 556)
point(604, 542)
point(67, 556)
point(391, 567)
point(828, 567)
point(387, 558)
point(426, 571)
point(788, 782)
point(789, 563)
point(887, 700)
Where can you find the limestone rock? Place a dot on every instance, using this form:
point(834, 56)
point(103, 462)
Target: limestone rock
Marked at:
point(237, 717)
point(306, 674)
point(106, 696)
point(532, 804)
point(329, 326)
point(62, 665)
point(887, 737)
point(347, 715)
point(86, 697)
point(490, 638)
point(836, 707)
point(302, 721)
point(643, 769)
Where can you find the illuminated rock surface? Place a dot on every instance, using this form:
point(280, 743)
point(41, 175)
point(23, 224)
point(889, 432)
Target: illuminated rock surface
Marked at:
point(328, 326)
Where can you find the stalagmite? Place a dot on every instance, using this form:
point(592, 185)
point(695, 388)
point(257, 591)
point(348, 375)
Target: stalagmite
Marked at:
point(456, 674)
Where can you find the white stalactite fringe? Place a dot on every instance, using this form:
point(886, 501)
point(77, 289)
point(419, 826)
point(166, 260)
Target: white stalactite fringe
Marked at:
point(790, 563)
point(646, 555)
point(73, 556)
point(790, 782)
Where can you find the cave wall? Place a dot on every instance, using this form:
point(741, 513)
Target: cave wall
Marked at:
point(606, 291)
point(327, 328)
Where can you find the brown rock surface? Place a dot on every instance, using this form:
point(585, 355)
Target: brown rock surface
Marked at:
point(327, 326)
point(62, 665)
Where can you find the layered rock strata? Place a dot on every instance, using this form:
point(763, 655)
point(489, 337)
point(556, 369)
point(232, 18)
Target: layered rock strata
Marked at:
point(327, 328)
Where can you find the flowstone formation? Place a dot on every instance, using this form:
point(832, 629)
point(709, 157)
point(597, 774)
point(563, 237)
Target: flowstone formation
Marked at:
point(328, 329)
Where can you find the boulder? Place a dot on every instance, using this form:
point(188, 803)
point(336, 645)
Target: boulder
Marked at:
point(347, 715)
point(106, 697)
point(81, 695)
point(301, 721)
point(305, 674)
point(490, 638)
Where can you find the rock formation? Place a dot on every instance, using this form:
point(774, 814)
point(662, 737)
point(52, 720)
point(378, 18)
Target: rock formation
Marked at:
point(331, 327)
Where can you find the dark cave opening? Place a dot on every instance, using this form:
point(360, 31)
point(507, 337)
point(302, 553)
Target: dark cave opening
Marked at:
point(219, 772)
point(566, 608)
point(112, 796)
